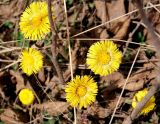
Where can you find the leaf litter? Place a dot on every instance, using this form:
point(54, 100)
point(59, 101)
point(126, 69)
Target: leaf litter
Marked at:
point(82, 15)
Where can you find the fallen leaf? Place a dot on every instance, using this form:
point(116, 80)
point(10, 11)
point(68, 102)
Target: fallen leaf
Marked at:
point(115, 8)
point(41, 75)
point(139, 78)
point(9, 117)
point(135, 82)
point(53, 108)
point(19, 79)
point(155, 118)
point(101, 10)
point(111, 81)
point(102, 14)
point(123, 30)
point(104, 34)
point(14, 9)
point(103, 112)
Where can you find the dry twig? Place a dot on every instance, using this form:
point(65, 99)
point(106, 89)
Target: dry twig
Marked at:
point(53, 47)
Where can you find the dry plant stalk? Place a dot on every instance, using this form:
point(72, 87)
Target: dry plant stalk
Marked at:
point(53, 46)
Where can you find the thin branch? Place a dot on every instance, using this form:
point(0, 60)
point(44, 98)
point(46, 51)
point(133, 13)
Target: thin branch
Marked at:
point(13, 63)
point(7, 61)
point(68, 40)
point(154, 7)
point(70, 54)
point(9, 50)
point(53, 46)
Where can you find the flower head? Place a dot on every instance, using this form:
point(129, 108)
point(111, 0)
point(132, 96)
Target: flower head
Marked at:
point(31, 61)
point(138, 98)
point(81, 91)
point(26, 96)
point(104, 58)
point(34, 22)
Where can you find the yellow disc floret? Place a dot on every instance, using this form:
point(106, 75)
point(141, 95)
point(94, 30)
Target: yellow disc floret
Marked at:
point(81, 91)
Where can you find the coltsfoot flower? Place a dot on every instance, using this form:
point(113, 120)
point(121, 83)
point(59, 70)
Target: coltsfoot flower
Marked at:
point(34, 22)
point(81, 91)
point(31, 61)
point(138, 98)
point(104, 58)
point(26, 96)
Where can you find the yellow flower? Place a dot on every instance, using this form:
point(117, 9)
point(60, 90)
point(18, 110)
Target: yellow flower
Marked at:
point(104, 58)
point(34, 22)
point(26, 96)
point(81, 91)
point(138, 98)
point(31, 61)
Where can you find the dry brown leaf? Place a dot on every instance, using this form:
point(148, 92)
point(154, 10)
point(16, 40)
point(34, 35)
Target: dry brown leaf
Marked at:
point(41, 75)
point(123, 30)
point(135, 82)
point(53, 108)
point(139, 78)
point(72, 18)
point(115, 8)
point(101, 10)
point(104, 34)
point(99, 111)
point(131, 6)
point(2, 73)
point(102, 112)
point(54, 85)
point(19, 80)
point(84, 11)
point(155, 118)
point(102, 14)
point(12, 10)
point(112, 103)
point(58, 11)
point(9, 117)
point(154, 18)
point(100, 33)
point(111, 81)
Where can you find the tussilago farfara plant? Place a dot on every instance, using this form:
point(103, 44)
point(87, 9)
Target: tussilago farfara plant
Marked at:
point(34, 21)
point(31, 61)
point(149, 106)
point(26, 96)
point(104, 58)
point(81, 91)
